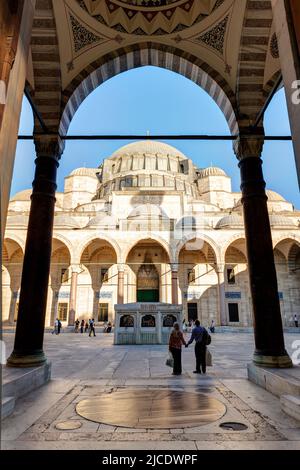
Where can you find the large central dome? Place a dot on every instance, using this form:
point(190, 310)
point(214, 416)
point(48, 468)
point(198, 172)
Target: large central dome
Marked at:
point(148, 147)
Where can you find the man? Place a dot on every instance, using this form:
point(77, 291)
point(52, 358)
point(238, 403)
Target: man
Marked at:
point(92, 327)
point(296, 320)
point(199, 334)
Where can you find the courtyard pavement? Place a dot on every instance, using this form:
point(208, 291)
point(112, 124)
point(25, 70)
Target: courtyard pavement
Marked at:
point(84, 367)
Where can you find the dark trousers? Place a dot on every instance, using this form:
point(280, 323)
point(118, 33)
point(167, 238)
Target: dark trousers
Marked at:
point(176, 353)
point(200, 353)
point(92, 330)
point(296, 323)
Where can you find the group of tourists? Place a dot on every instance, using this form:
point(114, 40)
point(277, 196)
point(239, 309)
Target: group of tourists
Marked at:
point(202, 339)
point(85, 326)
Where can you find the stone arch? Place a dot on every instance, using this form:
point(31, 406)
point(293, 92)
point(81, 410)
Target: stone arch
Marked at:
point(59, 277)
point(154, 238)
point(65, 241)
point(198, 237)
point(229, 242)
point(97, 279)
point(100, 236)
point(12, 260)
point(145, 54)
point(148, 270)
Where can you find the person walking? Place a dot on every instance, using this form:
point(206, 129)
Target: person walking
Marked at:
point(200, 335)
point(92, 327)
point(55, 329)
point(77, 323)
point(176, 341)
point(59, 325)
point(81, 326)
point(296, 321)
point(212, 326)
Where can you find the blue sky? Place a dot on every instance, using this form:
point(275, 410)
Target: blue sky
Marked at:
point(161, 102)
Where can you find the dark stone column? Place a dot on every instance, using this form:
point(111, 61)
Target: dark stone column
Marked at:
point(270, 350)
point(28, 347)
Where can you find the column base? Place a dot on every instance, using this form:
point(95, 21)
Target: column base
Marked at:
point(277, 362)
point(26, 360)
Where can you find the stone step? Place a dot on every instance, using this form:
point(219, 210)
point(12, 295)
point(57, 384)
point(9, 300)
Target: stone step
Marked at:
point(7, 406)
point(17, 382)
point(290, 404)
point(277, 381)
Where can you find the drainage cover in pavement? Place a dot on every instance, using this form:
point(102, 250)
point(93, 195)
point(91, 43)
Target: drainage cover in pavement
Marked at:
point(234, 426)
point(68, 425)
point(154, 409)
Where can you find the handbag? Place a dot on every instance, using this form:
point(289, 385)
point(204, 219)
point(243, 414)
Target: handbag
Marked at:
point(208, 358)
point(170, 361)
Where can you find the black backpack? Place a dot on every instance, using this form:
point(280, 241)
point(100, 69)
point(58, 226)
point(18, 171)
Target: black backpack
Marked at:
point(207, 339)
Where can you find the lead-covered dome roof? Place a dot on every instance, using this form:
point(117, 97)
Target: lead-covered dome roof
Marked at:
point(148, 147)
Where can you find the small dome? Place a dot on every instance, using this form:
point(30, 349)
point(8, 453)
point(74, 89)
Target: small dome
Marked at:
point(147, 210)
point(22, 195)
point(230, 221)
point(102, 220)
point(282, 221)
point(273, 196)
point(211, 171)
point(148, 146)
point(65, 221)
point(85, 172)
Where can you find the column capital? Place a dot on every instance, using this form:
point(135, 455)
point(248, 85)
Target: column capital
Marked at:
point(121, 267)
point(75, 268)
point(249, 143)
point(174, 267)
point(49, 146)
point(220, 267)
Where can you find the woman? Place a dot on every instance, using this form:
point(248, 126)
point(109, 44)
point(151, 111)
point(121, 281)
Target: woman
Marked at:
point(175, 342)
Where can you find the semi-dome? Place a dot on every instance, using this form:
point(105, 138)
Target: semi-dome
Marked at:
point(22, 195)
point(85, 172)
point(273, 196)
point(211, 171)
point(148, 147)
point(230, 221)
point(282, 221)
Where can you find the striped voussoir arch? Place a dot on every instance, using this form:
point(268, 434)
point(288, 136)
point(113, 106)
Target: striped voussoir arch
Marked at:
point(46, 66)
point(149, 54)
point(250, 92)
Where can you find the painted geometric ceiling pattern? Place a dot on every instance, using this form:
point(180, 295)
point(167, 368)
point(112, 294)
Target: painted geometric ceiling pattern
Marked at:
point(149, 17)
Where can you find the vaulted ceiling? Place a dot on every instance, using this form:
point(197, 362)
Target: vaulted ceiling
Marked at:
point(228, 47)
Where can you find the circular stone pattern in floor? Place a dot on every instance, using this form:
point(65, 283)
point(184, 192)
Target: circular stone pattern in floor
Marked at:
point(154, 409)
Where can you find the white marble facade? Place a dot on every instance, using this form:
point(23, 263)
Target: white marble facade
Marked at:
point(148, 224)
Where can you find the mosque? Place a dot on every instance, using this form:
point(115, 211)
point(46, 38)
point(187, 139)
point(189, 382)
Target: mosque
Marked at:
point(149, 226)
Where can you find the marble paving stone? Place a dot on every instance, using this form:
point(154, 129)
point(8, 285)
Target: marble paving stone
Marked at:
point(82, 368)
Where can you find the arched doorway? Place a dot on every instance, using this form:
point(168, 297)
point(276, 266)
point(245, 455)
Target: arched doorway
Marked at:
point(147, 285)
point(97, 281)
point(149, 274)
point(238, 306)
point(60, 281)
point(198, 281)
point(12, 259)
point(287, 262)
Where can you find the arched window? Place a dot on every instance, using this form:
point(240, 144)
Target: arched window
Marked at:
point(169, 320)
point(148, 321)
point(127, 321)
